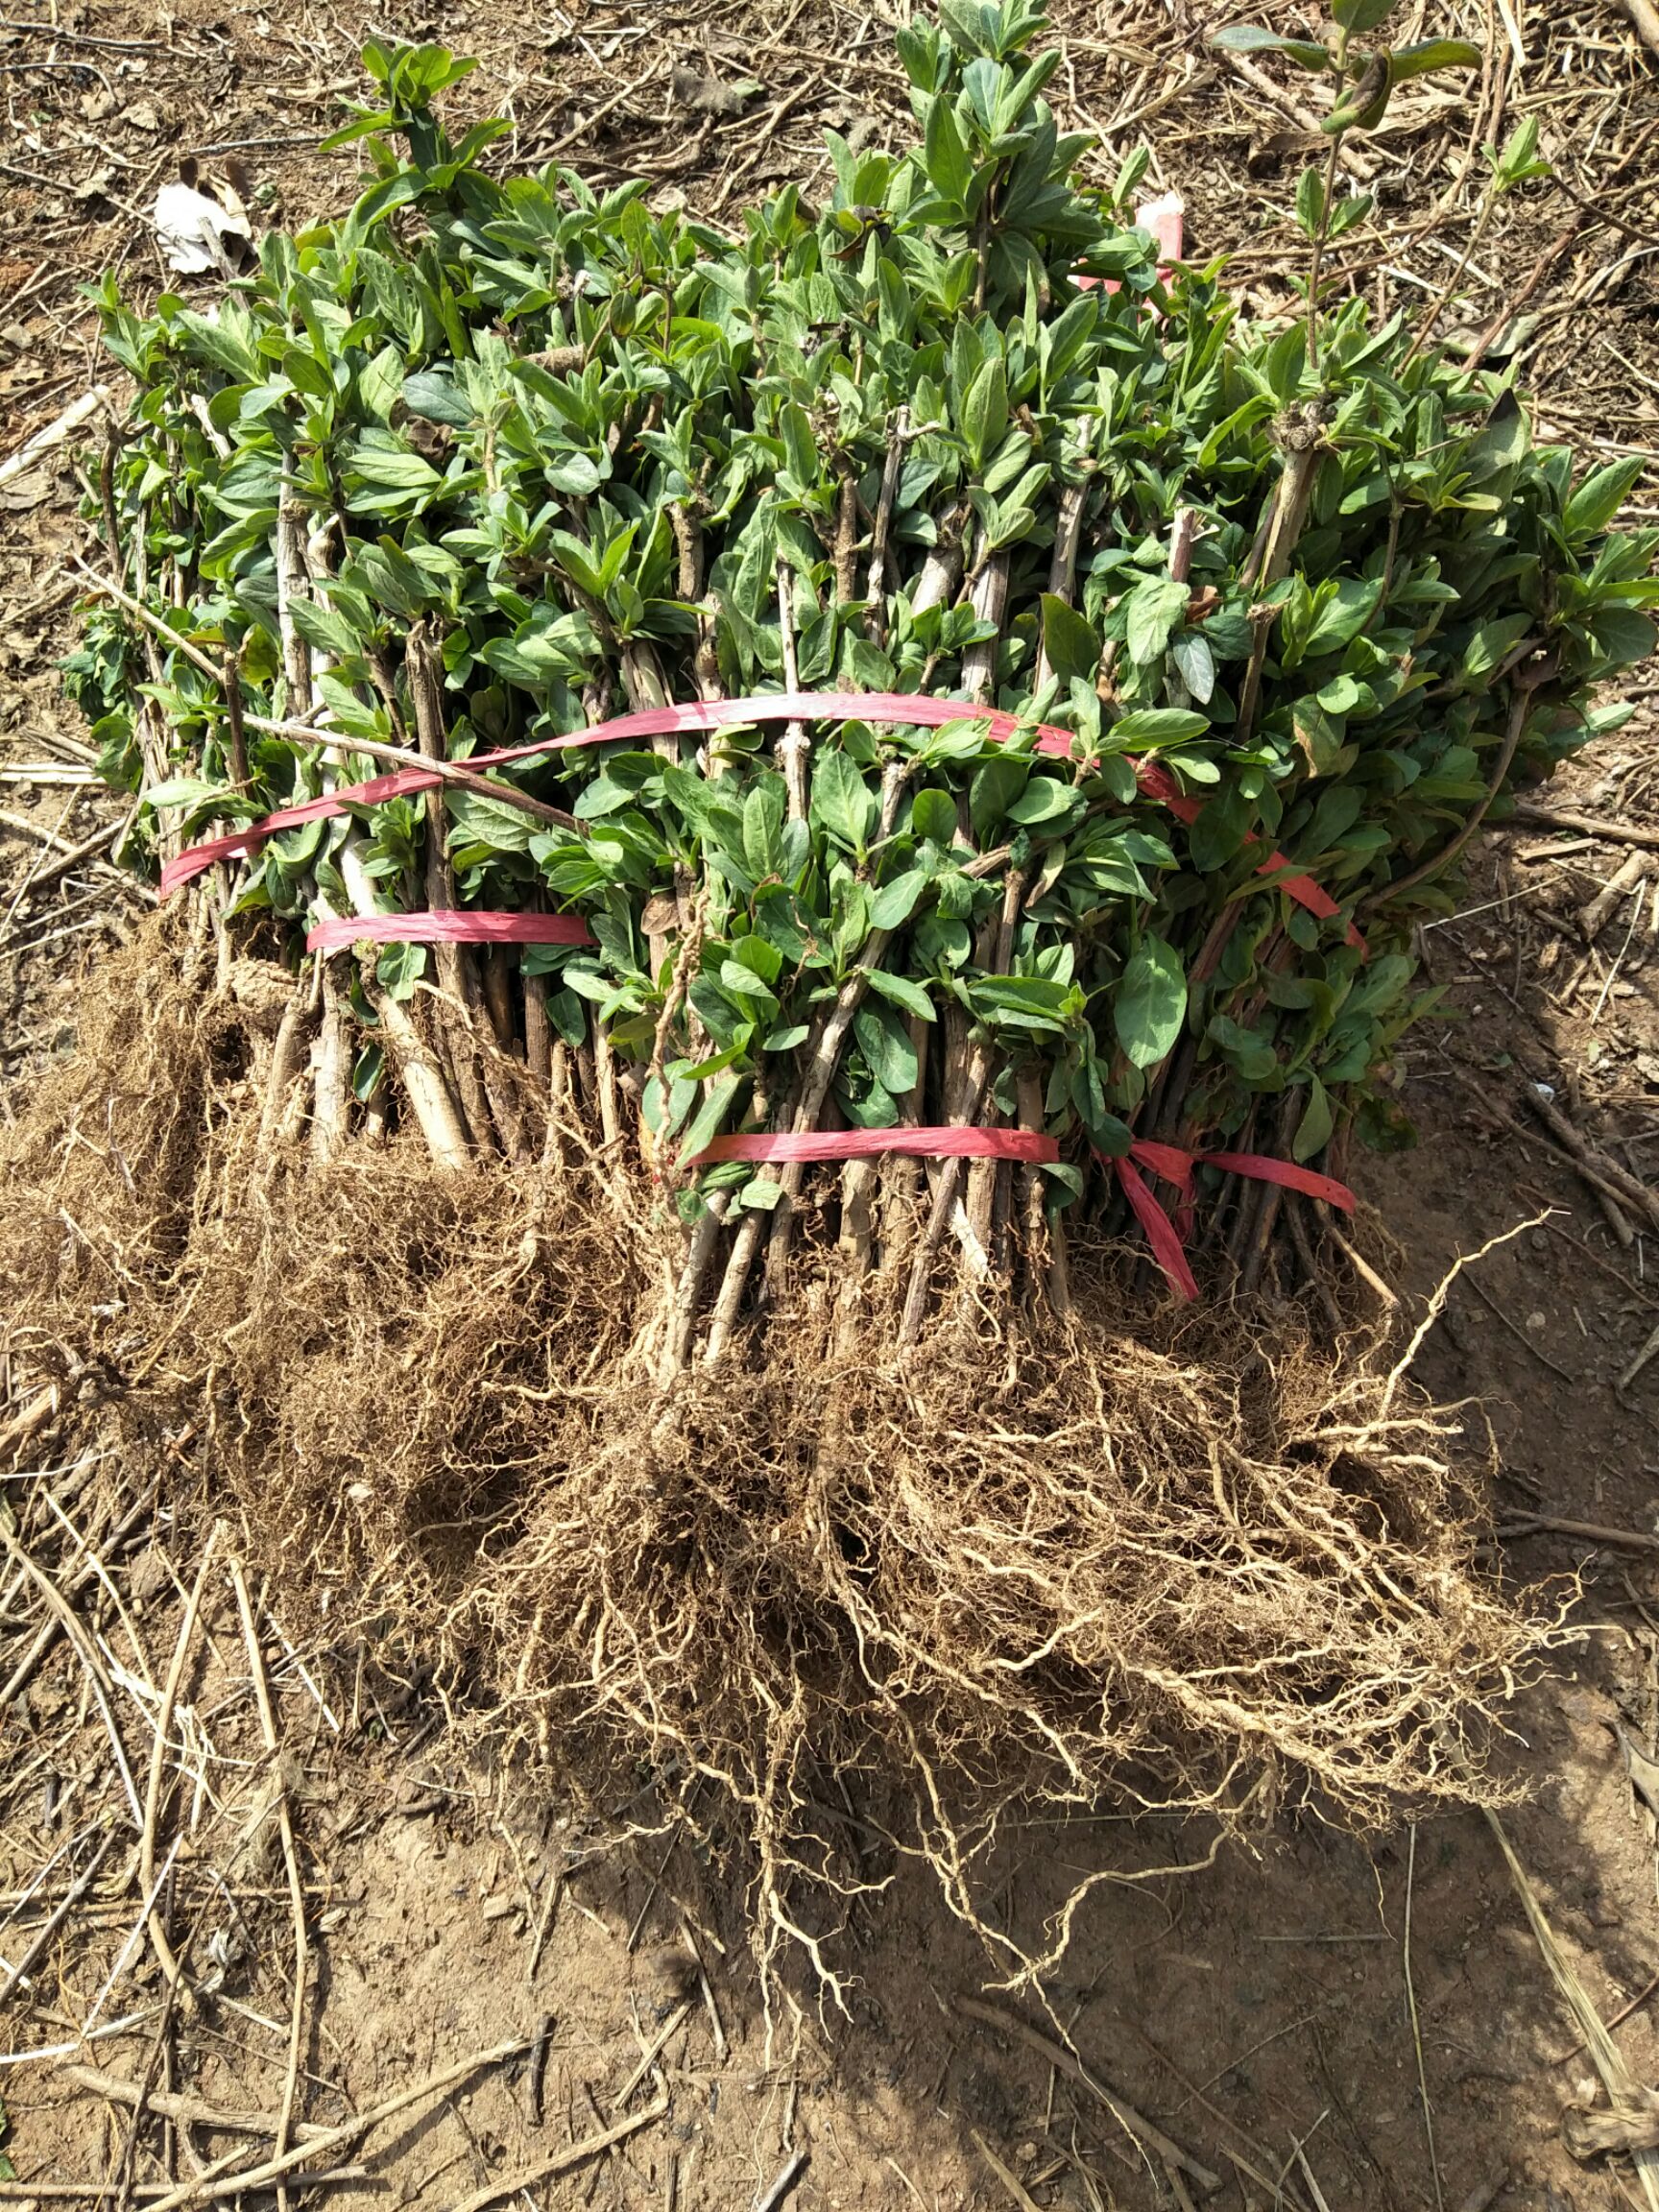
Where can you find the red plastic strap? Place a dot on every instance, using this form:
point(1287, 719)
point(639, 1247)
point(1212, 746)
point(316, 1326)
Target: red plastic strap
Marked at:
point(1160, 1230)
point(1158, 783)
point(951, 1143)
point(1170, 1160)
point(694, 719)
point(699, 716)
point(441, 925)
point(196, 859)
point(1262, 1168)
point(1176, 1165)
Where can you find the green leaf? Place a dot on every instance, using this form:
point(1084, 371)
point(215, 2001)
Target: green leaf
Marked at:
point(1599, 497)
point(1342, 616)
point(737, 978)
point(760, 956)
point(1045, 801)
point(944, 156)
point(577, 563)
point(182, 791)
point(494, 822)
point(842, 802)
point(901, 992)
point(1157, 726)
point(1215, 837)
point(1361, 15)
point(695, 1071)
point(885, 1040)
point(995, 785)
point(1490, 643)
point(576, 475)
point(1154, 608)
point(985, 411)
point(1311, 202)
point(893, 906)
point(1068, 640)
point(762, 821)
point(307, 374)
point(397, 471)
point(1623, 636)
point(1196, 663)
point(705, 1123)
point(322, 627)
point(1249, 1052)
point(366, 1075)
point(1151, 1003)
point(401, 968)
point(1349, 213)
point(1429, 54)
point(1519, 162)
point(934, 816)
point(1318, 1120)
point(1253, 39)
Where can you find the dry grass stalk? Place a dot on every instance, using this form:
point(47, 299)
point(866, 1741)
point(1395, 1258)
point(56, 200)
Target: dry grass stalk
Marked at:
point(1632, 2125)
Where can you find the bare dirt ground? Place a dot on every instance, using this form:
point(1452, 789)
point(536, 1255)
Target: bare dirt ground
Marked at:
point(1258, 2010)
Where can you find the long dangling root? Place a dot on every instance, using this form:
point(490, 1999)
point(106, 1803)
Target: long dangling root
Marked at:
point(997, 1574)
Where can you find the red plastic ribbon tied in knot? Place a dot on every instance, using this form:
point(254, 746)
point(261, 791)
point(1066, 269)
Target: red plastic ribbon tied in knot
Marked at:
point(1170, 1162)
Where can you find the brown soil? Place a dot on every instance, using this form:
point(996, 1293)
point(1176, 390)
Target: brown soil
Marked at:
point(1250, 2006)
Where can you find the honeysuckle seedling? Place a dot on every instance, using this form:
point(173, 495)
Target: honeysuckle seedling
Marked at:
point(490, 459)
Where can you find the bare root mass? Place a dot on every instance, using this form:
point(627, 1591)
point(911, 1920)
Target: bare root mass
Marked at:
point(1036, 1563)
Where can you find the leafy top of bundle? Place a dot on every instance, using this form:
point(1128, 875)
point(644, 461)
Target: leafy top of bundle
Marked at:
point(604, 453)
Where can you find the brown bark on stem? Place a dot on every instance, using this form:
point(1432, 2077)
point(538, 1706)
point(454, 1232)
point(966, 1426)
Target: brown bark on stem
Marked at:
point(420, 1069)
point(456, 981)
point(233, 716)
point(793, 749)
point(688, 540)
point(538, 1030)
point(292, 577)
point(901, 1174)
point(942, 569)
point(990, 601)
point(845, 550)
point(1269, 1197)
point(820, 1073)
point(1068, 535)
point(604, 1074)
point(498, 997)
point(1033, 1217)
point(876, 588)
point(558, 1099)
point(949, 1186)
point(682, 1320)
point(1303, 440)
point(287, 1058)
point(332, 1069)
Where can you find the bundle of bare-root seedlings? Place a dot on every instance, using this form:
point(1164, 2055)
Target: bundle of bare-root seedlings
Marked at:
point(783, 842)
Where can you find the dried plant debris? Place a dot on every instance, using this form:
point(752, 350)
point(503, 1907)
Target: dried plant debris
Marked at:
point(199, 230)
